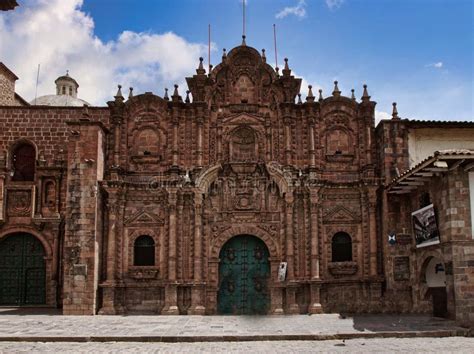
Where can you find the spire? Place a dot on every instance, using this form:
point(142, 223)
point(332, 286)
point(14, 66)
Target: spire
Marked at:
point(395, 111)
point(243, 40)
point(187, 100)
point(353, 97)
point(200, 70)
point(286, 70)
point(165, 97)
point(176, 97)
point(320, 95)
point(310, 96)
point(119, 96)
point(264, 58)
point(299, 99)
point(365, 95)
point(336, 92)
point(130, 93)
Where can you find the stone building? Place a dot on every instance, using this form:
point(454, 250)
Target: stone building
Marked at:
point(238, 198)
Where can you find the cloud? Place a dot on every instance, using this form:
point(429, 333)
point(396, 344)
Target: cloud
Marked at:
point(299, 10)
point(58, 35)
point(437, 65)
point(334, 4)
point(379, 115)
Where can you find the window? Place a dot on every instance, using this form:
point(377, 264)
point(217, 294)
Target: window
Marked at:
point(341, 247)
point(70, 91)
point(64, 90)
point(23, 163)
point(144, 251)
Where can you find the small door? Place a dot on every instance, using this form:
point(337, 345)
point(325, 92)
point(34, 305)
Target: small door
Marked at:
point(244, 271)
point(440, 302)
point(22, 271)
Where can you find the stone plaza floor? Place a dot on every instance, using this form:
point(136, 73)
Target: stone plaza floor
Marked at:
point(23, 330)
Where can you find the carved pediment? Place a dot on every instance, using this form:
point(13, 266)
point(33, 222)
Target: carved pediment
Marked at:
point(341, 214)
point(238, 119)
point(142, 217)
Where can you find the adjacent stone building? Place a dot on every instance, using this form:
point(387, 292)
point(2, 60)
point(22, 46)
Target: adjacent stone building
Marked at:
point(237, 197)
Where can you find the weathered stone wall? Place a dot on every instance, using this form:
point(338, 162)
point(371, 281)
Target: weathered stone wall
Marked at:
point(7, 90)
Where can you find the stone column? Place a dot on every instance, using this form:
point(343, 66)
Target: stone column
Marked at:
point(289, 237)
point(219, 141)
point(372, 204)
point(314, 234)
point(171, 296)
point(200, 122)
point(287, 122)
point(112, 304)
point(312, 151)
point(197, 292)
point(175, 161)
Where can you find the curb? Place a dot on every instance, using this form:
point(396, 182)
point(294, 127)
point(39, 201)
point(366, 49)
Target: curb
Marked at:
point(237, 338)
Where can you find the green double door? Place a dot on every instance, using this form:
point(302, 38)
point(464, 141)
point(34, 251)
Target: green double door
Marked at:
point(22, 271)
point(244, 272)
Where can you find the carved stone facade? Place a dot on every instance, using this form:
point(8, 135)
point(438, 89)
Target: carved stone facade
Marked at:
point(241, 159)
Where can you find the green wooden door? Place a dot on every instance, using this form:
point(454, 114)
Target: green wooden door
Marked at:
point(244, 271)
point(22, 271)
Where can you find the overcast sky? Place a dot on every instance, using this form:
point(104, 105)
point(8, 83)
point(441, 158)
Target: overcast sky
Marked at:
point(418, 53)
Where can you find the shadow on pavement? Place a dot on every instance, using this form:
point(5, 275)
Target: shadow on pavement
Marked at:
point(29, 311)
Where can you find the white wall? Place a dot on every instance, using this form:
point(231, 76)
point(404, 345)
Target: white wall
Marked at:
point(424, 142)
point(435, 279)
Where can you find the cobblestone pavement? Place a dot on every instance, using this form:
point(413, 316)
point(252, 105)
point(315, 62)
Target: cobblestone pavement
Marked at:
point(15, 323)
point(377, 345)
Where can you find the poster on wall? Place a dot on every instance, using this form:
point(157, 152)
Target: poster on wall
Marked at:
point(425, 227)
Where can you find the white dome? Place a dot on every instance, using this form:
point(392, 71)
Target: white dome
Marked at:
point(59, 101)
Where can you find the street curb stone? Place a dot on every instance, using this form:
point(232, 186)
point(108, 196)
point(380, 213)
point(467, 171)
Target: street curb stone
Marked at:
point(237, 338)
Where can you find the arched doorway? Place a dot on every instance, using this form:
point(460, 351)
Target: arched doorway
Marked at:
point(22, 270)
point(244, 271)
point(435, 277)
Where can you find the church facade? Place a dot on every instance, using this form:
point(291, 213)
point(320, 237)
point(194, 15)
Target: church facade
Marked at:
point(241, 200)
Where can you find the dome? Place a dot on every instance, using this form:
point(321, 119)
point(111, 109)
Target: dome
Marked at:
point(59, 101)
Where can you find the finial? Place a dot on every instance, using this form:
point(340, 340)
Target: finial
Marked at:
point(336, 92)
point(85, 112)
point(165, 97)
point(119, 95)
point(395, 111)
point(286, 70)
point(310, 96)
point(200, 70)
point(175, 96)
point(67, 72)
point(365, 95)
point(187, 100)
point(353, 97)
point(264, 58)
point(320, 95)
point(224, 54)
point(130, 93)
point(299, 99)
point(277, 69)
point(243, 40)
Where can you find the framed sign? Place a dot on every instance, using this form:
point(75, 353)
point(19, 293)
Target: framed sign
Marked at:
point(425, 227)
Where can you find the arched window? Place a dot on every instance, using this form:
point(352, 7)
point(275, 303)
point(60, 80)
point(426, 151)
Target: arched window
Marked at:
point(23, 162)
point(341, 247)
point(144, 251)
point(64, 90)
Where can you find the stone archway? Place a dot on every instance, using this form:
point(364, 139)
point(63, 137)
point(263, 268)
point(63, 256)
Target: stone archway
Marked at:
point(22, 270)
point(244, 272)
point(434, 275)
